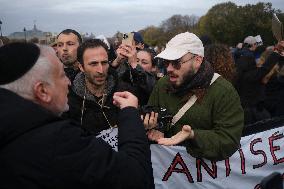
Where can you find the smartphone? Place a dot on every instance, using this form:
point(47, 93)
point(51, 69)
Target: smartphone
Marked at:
point(128, 39)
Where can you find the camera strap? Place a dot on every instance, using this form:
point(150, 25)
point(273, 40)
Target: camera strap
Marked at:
point(189, 103)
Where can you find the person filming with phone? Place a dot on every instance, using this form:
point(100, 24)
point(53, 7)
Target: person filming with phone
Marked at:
point(127, 66)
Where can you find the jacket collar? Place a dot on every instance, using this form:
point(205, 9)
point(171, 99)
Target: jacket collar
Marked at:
point(79, 85)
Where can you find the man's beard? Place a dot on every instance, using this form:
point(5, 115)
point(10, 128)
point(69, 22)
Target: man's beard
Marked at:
point(186, 80)
point(92, 79)
point(68, 63)
point(66, 108)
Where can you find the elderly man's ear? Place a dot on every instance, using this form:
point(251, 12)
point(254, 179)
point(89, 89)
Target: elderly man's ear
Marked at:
point(42, 92)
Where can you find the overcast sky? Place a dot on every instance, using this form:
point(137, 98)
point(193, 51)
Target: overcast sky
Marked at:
point(101, 16)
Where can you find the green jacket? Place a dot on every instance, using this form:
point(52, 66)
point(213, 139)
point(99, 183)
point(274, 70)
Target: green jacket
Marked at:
point(217, 120)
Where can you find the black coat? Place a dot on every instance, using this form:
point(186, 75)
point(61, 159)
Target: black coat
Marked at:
point(142, 81)
point(71, 73)
point(249, 85)
point(40, 150)
point(274, 90)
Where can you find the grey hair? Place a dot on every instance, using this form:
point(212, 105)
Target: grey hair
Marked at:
point(39, 72)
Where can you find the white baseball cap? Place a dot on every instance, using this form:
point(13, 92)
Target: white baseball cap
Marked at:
point(182, 44)
point(250, 40)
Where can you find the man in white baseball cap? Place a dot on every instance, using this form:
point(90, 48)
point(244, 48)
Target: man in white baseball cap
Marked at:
point(182, 44)
point(184, 48)
point(250, 43)
point(207, 114)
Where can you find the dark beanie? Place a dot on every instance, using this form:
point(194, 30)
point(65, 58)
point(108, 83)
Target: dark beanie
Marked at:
point(16, 59)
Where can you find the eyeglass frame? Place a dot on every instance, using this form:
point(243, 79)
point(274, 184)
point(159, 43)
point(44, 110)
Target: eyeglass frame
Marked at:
point(176, 64)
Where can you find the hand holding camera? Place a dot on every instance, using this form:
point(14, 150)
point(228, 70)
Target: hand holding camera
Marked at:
point(155, 117)
point(150, 120)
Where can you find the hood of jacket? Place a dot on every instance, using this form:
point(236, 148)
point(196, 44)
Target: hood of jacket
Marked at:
point(246, 52)
point(79, 85)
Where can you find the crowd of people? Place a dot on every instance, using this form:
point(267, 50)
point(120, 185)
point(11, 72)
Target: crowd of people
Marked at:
point(259, 80)
point(58, 98)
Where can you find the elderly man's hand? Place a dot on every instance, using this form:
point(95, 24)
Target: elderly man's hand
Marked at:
point(125, 99)
point(184, 134)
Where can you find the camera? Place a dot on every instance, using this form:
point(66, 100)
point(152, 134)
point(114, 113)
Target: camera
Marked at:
point(164, 117)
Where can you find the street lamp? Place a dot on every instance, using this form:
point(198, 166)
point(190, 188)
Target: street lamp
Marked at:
point(0, 27)
point(47, 35)
point(25, 34)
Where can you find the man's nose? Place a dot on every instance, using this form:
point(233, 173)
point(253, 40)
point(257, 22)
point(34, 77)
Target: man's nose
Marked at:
point(100, 68)
point(65, 47)
point(170, 67)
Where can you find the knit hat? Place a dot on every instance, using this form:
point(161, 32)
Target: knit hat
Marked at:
point(16, 59)
point(182, 44)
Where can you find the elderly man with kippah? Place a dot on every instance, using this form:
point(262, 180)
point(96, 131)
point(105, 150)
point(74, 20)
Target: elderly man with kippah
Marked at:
point(207, 114)
point(38, 149)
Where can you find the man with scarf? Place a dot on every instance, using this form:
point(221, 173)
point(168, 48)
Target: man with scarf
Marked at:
point(90, 98)
point(208, 117)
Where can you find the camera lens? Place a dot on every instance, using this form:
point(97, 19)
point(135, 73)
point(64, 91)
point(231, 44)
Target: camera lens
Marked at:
point(125, 36)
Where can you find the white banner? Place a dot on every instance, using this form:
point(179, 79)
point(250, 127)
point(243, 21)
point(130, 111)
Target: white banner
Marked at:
point(110, 136)
point(260, 155)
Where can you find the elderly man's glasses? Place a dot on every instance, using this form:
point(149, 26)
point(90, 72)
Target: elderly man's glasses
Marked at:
point(176, 63)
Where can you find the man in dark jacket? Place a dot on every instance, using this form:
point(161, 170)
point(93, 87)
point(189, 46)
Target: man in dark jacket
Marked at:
point(249, 85)
point(90, 98)
point(274, 80)
point(67, 43)
point(38, 149)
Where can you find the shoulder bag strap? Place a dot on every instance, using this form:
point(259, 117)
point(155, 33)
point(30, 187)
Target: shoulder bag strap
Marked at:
point(189, 103)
